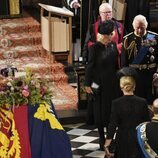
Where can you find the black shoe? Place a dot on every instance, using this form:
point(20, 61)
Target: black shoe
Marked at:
point(101, 144)
point(101, 147)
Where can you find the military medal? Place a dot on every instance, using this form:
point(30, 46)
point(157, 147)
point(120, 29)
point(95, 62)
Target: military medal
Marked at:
point(152, 58)
point(151, 49)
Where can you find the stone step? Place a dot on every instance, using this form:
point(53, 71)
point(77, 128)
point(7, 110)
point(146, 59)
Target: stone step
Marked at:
point(57, 67)
point(24, 62)
point(41, 67)
point(62, 100)
point(20, 46)
point(58, 78)
point(48, 78)
point(19, 25)
point(20, 39)
point(21, 51)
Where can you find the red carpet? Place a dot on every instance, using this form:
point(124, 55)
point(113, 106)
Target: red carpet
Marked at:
point(21, 39)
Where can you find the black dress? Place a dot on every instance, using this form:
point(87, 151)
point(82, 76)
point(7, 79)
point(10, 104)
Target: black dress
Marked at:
point(101, 69)
point(127, 113)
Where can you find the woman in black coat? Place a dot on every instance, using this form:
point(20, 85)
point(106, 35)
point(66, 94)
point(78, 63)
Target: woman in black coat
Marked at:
point(127, 113)
point(100, 78)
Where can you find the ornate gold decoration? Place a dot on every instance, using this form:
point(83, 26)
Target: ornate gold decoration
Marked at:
point(44, 113)
point(5, 150)
point(147, 147)
point(132, 48)
point(155, 117)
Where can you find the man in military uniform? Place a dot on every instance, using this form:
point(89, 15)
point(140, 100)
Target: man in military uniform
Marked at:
point(140, 51)
point(147, 134)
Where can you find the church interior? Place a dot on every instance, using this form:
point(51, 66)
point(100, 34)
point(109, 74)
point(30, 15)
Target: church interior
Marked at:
point(32, 35)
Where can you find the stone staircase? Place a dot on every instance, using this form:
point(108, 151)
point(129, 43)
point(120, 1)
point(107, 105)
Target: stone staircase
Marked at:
point(20, 46)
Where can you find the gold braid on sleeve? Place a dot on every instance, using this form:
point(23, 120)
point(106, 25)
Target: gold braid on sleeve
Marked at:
point(132, 48)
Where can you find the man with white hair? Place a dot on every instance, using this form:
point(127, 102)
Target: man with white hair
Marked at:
point(140, 51)
point(105, 12)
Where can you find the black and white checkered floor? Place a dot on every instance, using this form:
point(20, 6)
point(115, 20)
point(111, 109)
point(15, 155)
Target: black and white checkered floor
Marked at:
point(84, 141)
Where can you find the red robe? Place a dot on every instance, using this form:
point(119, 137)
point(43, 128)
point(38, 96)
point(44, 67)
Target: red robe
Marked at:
point(117, 35)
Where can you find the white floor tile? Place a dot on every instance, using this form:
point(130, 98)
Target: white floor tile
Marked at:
point(90, 146)
point(72, 149)
point(77, 156)
point(84, 139)
point(98, 154)
point(78, 132)
point(74, 125)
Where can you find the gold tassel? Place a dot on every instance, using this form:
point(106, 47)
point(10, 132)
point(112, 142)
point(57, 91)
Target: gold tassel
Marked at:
point(14, 6)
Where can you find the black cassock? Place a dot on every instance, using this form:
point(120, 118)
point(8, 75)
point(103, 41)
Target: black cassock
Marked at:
point(84, 16)
point(89, 14)
point(135, 7)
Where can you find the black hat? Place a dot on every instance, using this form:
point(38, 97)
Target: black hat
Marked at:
point(106, 27)
point(127, 71)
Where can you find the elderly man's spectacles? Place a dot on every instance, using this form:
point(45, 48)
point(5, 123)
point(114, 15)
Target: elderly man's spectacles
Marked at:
point(107, 12)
